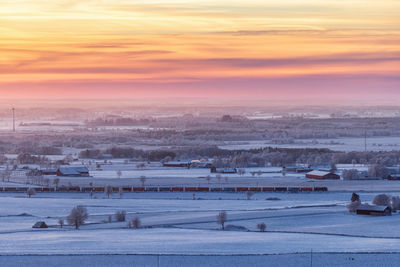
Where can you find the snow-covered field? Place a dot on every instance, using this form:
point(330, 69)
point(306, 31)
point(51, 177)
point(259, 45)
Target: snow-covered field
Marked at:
point(338, 144)
point(176, 224)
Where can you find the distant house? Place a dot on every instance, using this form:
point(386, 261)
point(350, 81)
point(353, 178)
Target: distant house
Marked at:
point(322, 175)
point(394, 177)
point(297, 169)
point(201, 164)
point(366, 209)
point(49, 172)
point(223, 170)
point(73, 172)
point(40, 225)
point(182, 164)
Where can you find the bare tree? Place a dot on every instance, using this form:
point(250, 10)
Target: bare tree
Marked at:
point(56, 182)
point(119, 174)
point(221, 219)
point(382, 200)
point(352, 207)
point(78, 216)
point(249, 194)
point(261, 226)
point(395, 203)
point(120, 191)
point(208, 178)
point(241, 172)
point(108, 190)
point(31, 191)
point(109, 218)
point(355, 197)
point(351, 174)
point(120, 216)
point(61, 222)
point(135, 222)
point(140, 165)
point(143, 179)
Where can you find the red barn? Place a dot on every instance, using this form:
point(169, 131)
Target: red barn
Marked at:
point(322, 175)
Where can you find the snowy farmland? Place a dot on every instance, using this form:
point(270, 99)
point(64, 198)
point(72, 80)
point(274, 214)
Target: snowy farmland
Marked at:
point(185, 224)
point(386, 143)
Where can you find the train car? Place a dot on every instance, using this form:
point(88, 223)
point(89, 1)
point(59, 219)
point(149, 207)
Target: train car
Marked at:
point(164, 189)
point(255, 189)
point(126, 189)
point(268, 189)
point(177, 189)
point(242, 189)
point(74, 189)
point(306, 189)
point(138, 189)
point(216, 189)
point(229, 189)
point(99, 189)
point(151, 189)
point(320, 189)
point(10, 189)
point(293, 190)
point(280, 189)
point(190, 189)
point(203, 189)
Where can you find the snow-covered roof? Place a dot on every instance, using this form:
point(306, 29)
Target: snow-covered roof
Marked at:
point(73, 170)
point(318, 173)
point(372, 207)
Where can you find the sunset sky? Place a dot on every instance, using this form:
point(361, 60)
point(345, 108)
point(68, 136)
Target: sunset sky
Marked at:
point(331, 51)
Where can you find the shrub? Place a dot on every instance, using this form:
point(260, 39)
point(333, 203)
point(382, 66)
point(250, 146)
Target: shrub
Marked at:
point(382, 200)
point(120, 216)
point(352, 207)
point(221, 219)
point(77, 216)
point(355, 197)
point(262, 226)
point(31, 192)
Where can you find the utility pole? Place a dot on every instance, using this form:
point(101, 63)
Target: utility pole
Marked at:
point(13, 117)
point(365, 140)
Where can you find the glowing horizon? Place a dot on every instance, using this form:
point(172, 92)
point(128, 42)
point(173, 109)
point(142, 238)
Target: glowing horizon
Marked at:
point(300, 49)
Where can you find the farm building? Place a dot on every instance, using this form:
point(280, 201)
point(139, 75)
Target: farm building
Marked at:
point(49, 172)
point(366, 209)
point(297, 169)
point(183, 164)
point(40, 225)
point(394, 177)
point(223, 170)
point(73, 172)
point(322, 175)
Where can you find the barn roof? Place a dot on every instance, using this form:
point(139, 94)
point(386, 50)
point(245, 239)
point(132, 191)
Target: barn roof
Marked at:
point(372, 207)
point(73, 170)
point(318, 173)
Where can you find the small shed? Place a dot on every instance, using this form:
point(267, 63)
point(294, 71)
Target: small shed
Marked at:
point(394, 177)
point(322, 175)
point(223, 170)
point(178, 164)
point(366, 209)
point(40, 225)
point(49, 172)
point(73, 172)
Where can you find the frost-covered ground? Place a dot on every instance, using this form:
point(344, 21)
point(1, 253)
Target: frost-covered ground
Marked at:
point(338, 144)
point(177, 224)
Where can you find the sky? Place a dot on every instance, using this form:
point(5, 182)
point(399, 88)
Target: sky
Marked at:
point(307, 51)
